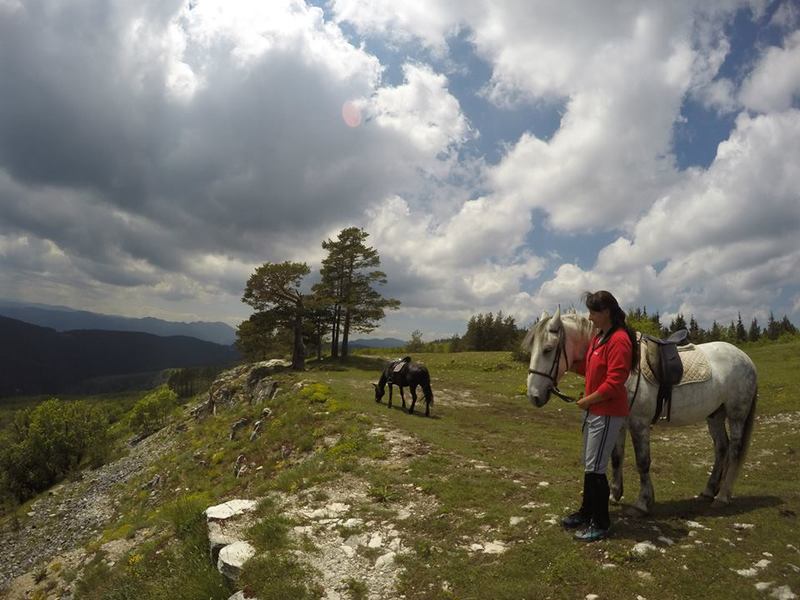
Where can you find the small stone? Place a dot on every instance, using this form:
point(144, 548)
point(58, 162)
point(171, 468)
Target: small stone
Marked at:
point(476, 547)
point(544, 484)
point(385, 561)
point(695, 525)
point(751, 572)
point(763, 586)
point(351, 523)
point(350, 552)
point(515, 521)
point(783, 592)
point(762, 564)
point(642, 548)
point(743, 526)
point(495, 547)
point(665, 540)
point(376, 541)
point(592, 596)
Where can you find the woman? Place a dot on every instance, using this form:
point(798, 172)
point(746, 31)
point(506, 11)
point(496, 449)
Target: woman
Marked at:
point(608, 362)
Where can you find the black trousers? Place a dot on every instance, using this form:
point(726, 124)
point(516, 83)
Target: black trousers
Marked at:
point(595, 499)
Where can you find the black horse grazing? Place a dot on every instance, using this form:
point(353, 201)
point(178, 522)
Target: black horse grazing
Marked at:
point(404, 373)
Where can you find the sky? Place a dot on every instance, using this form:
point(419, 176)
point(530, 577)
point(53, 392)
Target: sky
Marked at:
point(501, 155)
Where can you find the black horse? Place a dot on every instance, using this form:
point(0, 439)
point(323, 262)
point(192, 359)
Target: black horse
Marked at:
point(404, 373)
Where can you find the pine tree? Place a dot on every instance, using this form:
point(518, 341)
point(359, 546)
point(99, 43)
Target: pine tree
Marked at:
point(741, 333)
point(346, 282)
point(754, 333)
point(678, 323)
point(274, 289)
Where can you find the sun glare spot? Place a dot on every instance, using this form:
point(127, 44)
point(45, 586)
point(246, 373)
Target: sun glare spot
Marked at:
point(351, 114)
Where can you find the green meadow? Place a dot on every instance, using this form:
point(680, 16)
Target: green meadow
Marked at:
point(486, 467)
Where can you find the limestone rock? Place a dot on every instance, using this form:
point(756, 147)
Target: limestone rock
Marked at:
point(232, 558)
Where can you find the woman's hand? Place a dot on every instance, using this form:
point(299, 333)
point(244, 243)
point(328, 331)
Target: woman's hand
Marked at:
point(583, 402)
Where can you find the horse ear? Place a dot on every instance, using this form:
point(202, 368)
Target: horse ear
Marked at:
point(544, 315)
point(555, 322)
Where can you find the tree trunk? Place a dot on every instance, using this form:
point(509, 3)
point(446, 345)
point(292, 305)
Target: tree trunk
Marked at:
point(346, 332)
point(298, 352)
point(335, 331)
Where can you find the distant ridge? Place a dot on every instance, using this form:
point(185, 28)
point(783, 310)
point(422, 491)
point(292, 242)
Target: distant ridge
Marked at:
point(377, 343)
point(40, 360)
point(62, 318)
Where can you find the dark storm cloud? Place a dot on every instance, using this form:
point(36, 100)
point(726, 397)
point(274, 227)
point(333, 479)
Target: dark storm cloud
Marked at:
point(104, 161)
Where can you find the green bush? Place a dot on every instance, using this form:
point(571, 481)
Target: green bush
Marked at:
point(150, 413)
point(47, 442)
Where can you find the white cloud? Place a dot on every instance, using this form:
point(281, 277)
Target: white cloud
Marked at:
point(422, 109)
point(775, 82)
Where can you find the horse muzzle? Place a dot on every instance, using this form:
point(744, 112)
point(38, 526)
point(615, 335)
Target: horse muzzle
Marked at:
point(539, 400)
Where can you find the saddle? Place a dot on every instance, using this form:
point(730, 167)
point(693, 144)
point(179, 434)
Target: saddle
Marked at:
point(398, 368)
point(665, 363)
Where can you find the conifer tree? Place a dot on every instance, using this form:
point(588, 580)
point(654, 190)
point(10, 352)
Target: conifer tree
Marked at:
point(348, 274)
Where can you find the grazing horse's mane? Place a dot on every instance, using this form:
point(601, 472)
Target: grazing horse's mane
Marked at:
point(572, 320)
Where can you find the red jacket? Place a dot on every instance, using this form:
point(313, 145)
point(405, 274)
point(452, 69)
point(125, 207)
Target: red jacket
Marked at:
point(606, 367)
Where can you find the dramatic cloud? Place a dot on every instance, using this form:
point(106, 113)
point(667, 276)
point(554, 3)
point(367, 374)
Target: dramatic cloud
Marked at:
point(152, 153)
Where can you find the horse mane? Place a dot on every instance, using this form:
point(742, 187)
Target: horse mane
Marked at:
point(584, 327)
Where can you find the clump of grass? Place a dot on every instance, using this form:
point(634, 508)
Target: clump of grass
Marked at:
point(40, 574)
point(316, 392)
point(382, 493)
point(270, 533)
point(186, 513)
point(273, 576)
point(356, 589)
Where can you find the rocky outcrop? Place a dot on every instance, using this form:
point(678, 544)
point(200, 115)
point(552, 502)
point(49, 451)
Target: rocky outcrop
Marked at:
point(227, 524)
point(250, 383)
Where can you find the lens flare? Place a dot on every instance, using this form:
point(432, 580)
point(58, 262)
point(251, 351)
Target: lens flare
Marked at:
point(351, 114)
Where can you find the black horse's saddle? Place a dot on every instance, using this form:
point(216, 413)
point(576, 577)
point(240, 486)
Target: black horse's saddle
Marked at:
point(397, 368)
point(665, 363)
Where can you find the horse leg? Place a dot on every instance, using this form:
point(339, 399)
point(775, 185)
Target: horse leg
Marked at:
point(640, 436)
point(390, 396)
point(741, 429)
point(402, 396)
point(617, 459)
point(716, 428)
point(413, 389)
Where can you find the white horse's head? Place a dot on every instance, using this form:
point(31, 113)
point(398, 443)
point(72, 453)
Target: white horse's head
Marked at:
point(547, 343)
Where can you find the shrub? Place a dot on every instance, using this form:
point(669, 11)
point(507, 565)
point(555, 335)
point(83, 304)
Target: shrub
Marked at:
point(48, 442)
point(150, 413)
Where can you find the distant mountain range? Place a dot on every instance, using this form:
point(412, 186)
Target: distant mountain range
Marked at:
point(40, 360)
point(377, 343)
point(62, 318)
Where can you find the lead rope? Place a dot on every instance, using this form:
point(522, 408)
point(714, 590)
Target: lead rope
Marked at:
point(638, 374)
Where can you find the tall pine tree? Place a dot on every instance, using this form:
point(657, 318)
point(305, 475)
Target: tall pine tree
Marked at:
point(348, 274)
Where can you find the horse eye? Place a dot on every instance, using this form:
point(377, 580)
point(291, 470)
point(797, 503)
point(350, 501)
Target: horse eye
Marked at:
point(547, 350)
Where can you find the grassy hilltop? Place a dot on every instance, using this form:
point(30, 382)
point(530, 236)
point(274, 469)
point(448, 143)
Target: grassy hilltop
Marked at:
point(487, 471)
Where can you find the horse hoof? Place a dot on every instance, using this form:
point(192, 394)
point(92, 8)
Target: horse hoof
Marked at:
point(637, 512)
point(705, 497)
point(720, 503)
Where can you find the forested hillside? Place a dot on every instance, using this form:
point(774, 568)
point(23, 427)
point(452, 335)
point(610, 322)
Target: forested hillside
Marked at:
point(39, 360)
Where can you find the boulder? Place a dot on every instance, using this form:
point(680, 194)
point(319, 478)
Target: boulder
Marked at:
point(232, 558)
point(227, 523)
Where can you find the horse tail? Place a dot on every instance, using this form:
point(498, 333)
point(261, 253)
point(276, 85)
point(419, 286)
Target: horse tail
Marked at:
point(747, 431)
point(426, 385)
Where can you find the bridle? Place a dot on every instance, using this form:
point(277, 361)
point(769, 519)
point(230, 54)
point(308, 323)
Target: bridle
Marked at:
point(561, 349)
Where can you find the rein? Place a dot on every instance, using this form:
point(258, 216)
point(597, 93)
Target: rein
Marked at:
point(553, 373)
